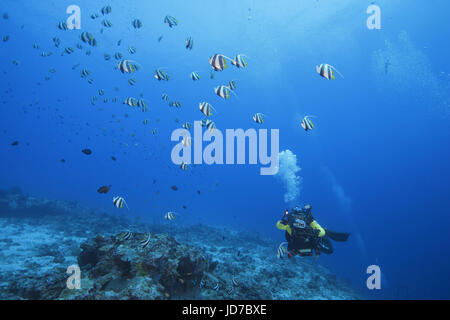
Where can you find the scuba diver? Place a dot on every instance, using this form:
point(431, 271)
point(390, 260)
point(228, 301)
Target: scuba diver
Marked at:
point(305, 236)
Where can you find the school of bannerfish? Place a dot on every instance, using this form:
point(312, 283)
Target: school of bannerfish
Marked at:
point(218, 63)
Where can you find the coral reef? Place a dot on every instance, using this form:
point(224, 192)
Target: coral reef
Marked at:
point(120, 259)
point(121, 268)
point(14, 202)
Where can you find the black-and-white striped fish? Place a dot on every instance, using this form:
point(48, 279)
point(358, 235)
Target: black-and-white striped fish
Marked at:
point(127, 235)
point(205, 108)
point(106, 10)
point(186, 126)
point(142, 104)
point(69, 50)
point(56, 41)
point(306, 123)
point(258, 118)
point(132, 81)
point(218, 62)
point(232, 84)
point(106, 23)
point(86, 37)
point(171, 21)
point(169, 216)
point(195, 76)
point(137, 24)
point(127, 66)
point(62, 25)
point(187, 141)
point(132, 50)
point(184, 166)
point(145, 242)
point(176, 104)
point(84, 73)
point(130, 101)
point(189, 43)
point(281, 250)
point(235, 282)
point(327, 71)
point(118, 56)
point(210, 125)
point(222, 91)
point(239, 61)
point(216, 286)
point(119, 202)
point(161, 75)
point(165, 97)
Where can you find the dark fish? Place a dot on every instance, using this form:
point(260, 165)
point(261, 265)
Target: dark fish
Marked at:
point(174, 188)
point(104, 189)
point(15, 143)
point(63, 160)
point(137, 24)
point(113, 158)
point(87, 151)
point(198, 191)
point(386, 66)
point(184, 207)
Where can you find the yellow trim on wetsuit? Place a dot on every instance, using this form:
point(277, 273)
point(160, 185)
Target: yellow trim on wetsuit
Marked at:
point(317, 226)
point(285, 227)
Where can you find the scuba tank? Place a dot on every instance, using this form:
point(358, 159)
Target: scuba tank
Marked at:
point(300, 222)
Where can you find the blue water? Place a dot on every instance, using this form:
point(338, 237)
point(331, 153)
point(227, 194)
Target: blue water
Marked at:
point(375, 165)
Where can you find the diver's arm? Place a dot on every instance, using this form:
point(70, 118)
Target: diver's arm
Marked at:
point(313, 223)
point(283, 225)
point(316, 227)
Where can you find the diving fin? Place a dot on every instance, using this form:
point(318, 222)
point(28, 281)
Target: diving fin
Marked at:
point(337, 236)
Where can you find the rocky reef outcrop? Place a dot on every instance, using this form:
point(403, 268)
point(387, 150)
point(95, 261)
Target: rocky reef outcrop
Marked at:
point(138, 266)
point(121, 258)
point(14, 202)
point(157, 266)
